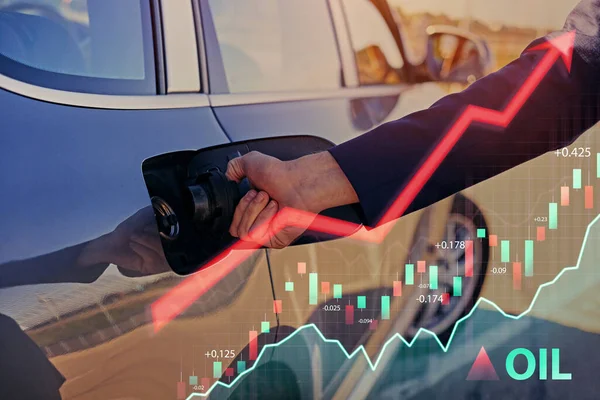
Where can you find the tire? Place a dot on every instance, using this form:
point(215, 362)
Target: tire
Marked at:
point(462, 224)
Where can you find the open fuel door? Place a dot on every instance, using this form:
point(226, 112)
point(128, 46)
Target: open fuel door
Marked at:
point(194, 202)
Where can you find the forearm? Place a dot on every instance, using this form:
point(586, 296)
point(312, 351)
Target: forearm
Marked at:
point(94, 252)
point(58, 267)
point(321, 183)
point(381, 162)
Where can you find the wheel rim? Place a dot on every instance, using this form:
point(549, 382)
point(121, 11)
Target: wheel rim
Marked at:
point(434, 316)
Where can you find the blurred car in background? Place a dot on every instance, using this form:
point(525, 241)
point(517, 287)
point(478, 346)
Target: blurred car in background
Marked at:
point(449, 53)
point(457, 54)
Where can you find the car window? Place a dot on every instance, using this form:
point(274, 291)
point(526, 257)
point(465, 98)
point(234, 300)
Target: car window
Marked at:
point(273, 45)
point(378, 57)
point(413, 34)
point(97, 46)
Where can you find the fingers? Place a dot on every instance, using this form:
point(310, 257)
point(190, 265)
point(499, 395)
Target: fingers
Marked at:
point(149, 250)
point(252, 216)
point(145, 256)
point(257, 223)
point(254, 208)
point(151, 247)
point(239, 212)
point(150, 258)
point(149, 238)
point(260, 229)
point(284, 237)
point(235, 169)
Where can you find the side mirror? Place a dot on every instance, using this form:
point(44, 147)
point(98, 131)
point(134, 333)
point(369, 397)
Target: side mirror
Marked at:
point(453, 56)
point(194, 202)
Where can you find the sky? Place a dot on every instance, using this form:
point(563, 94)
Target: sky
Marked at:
point(523, 13)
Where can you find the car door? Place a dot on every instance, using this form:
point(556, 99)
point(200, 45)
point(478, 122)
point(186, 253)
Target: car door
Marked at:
point(332, 70)
point(91, 89)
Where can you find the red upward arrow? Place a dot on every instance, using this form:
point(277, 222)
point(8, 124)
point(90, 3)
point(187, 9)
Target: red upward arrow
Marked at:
point(563, 44)
point(184, 294)
point(482, 368)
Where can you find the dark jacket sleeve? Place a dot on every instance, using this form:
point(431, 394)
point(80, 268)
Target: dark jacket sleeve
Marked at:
point(21, 362)
point(57, 267)
point(381, 162)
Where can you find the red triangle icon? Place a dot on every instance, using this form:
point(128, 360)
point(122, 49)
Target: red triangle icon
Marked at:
point(563, 44)
point(482, 369)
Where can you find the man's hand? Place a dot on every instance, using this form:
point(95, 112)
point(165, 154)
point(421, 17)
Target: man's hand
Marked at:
point(133, 245)
point(312, 183)
point(276, 188)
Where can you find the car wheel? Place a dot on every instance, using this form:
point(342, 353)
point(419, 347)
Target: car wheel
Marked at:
point(462, 224)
